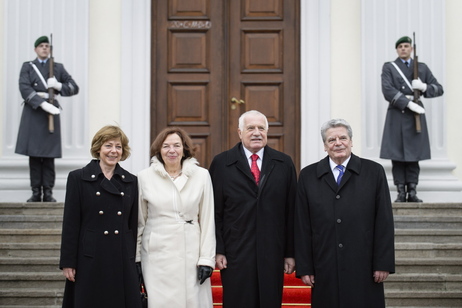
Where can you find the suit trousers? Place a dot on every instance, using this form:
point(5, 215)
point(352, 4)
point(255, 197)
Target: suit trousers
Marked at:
point(405, 172)
point(42, 172)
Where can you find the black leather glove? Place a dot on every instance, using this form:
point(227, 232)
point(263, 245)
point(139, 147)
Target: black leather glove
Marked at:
point(204, 272)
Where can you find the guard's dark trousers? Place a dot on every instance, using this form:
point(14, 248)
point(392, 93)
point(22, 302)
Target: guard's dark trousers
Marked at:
point(42, 175)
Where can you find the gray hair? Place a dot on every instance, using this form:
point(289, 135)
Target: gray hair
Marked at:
point(254, 112)
point(335, 123)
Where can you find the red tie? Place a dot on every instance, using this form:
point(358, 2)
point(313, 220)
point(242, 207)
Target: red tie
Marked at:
point(254, 168)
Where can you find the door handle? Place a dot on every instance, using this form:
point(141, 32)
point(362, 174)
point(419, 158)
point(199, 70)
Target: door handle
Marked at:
point(235, 101)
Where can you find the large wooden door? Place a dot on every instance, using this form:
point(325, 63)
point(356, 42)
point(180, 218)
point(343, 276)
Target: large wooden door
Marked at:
point(212, 60)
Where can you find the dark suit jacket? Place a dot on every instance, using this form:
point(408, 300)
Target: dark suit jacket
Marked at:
point(254, 225)
point(344, 233)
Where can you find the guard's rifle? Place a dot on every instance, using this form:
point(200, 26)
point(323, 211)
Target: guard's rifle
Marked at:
point(418, 127)
point(51, 91)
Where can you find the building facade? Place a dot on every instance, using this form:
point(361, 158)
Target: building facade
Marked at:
point(106, 46)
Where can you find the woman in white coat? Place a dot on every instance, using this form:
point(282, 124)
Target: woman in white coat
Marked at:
point(176, 229)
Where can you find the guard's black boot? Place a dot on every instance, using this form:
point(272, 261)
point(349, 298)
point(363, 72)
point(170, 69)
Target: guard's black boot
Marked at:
point(36, 195)
point(48, 195)
point(412, 193)
point(401, 193)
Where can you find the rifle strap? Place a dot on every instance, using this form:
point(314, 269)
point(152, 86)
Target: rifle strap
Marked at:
point(402, 75)
point(39, 74)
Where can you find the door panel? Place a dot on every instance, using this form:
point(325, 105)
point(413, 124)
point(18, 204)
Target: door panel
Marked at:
point(263, 54)
point(187, 72)
point(214, 60)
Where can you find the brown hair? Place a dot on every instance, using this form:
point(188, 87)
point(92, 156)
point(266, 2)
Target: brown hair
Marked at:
point(105, 134)
point(189, 149)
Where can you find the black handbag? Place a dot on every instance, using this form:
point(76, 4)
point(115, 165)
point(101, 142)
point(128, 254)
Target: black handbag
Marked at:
point(143, 293)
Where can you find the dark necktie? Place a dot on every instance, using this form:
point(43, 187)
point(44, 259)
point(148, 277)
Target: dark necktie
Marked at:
point(43, 64)
point(254, 168)
point(340, 175)
point(407, 63)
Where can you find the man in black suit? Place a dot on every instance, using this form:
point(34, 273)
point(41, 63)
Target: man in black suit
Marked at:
point(344, 234)
point(254, 190)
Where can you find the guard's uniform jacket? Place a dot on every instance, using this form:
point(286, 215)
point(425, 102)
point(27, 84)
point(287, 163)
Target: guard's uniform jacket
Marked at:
point(34, 138)
point(400, 141)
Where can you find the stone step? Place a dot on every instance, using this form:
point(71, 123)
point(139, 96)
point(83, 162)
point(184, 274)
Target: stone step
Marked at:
point(427, 209)
point(32, 208)
point(31, 221)
point(428, 222)
point(29, 249)
point(423, 299)
point(30, 235)
point(428, 240)
point(428, 250)
point(34, 297)
point(426, 235)
point(32, 280)
point(29, 264)
point(421, 282)
point(428, 265)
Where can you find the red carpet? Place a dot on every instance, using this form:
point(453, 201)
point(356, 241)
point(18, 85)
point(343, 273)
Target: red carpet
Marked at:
point(295, 293)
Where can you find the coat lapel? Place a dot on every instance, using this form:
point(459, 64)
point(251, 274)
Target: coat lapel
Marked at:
point(236, 156)
point(92, 173)
point(269, 160)
point(354, 166)
point(188, 167)
point(270, 157)
point(110, 186)
point(323, 171)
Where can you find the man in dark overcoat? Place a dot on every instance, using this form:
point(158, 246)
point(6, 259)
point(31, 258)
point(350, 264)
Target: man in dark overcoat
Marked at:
point(401, 142)
point(344, 233)
point(34, 137)
point(254, 208)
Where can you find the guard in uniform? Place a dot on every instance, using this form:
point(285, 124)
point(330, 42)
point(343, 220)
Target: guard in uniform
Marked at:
point(401, 142)
point(34, 137)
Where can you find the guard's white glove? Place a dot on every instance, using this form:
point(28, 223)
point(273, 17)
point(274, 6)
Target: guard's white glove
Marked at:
point(416, 108)
point(43, 95)
point(50, 108)
point(417, 84)
point(53, 83)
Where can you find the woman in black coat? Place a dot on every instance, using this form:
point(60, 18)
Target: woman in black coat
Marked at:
point(100, 227)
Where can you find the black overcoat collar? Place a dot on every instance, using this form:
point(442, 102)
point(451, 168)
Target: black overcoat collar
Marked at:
point(236, 156)
point(323, 171)
point(92, 172)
